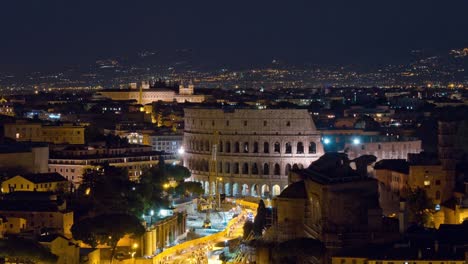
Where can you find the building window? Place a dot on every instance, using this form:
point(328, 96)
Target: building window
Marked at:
point(288, 123)
point(212, 123)
point(254, 169)
point(266, 147)
point(236, 147)
point(245, 168)
point(227, 167)
point(300, 148)
point(277, 147)
point(287, 169)
point(379, 146)
point(246, 147)
point(427, 182)
point(437, 195)
point(264, 123)
point(277, 169)
point(221, 146)
point(236, 168)
point(312, 148)
point(288, 148)
point(266, 169)
point(245, 123)
point(228, 147)
point(437, 182)
point(227, 122)
point(255, 147)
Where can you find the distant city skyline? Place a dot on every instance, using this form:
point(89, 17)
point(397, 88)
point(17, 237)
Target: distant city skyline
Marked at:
point(53, 34)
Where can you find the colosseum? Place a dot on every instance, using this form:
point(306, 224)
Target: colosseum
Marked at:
point(250, 151)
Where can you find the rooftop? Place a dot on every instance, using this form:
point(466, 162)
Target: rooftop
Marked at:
point(44, 177)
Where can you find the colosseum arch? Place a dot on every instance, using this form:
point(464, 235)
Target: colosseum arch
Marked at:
point(276, 190)
point(265, 190)
point(288, 148)
point(207, 145)
point(277, 147)
point(266, 169)
point(227, 167)
point(245, 148)
point(266, 147)
point(312, 148)
point(255, 190)
point(235, 189)
point(236, 168)
point(245, 168)
point(245, 190)
point(236, 147)
point(227, 189)
point(207, 187)
point(221, 146)
point(287, 169)
point(300, 148)
point(255, 147)
point(228, 147)
point(295, 166)
point(254, 169)
point(277, 170)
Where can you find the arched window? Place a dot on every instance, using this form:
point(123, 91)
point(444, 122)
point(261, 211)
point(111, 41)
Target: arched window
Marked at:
point(207, 146)
point(221, 146)
point(266, 169)
point(255, 147)
point(295, 166)
point(228, 147)
point(245, 168)
point(246, 147)
point(277, 147)
point(266, 147)
point(236, 168)
point(254, 169)
point(300, 148)
point(288, 148)
point(312, 148)
point(437, 195)
point(287, 169)
point(220, 167)
point(227, 167)
point(277, 169)
point(236, 147)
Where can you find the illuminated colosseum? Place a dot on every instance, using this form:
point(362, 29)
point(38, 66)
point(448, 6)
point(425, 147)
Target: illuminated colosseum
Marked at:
point(255, 149)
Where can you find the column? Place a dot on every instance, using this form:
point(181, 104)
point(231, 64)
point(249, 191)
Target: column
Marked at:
point(147, 245)
point(155, 241)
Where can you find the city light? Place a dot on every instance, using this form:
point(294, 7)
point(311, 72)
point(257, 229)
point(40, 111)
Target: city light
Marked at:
point(356, 141)
point(181, 151)
point(326, 141)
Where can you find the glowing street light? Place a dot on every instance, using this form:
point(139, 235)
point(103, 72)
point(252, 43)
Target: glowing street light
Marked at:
point(356, 141)
point(326, 141)
point(181, 151)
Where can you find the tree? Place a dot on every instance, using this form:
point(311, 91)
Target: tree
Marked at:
point(189, 188)
point(420, 207)
point(22, 250)
point(107, 229)
point(260, 219)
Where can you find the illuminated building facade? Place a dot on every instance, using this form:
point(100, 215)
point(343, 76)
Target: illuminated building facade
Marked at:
point(256, 149)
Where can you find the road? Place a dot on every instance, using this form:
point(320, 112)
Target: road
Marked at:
point(201, 253)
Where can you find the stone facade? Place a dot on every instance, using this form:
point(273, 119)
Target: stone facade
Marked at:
point(255, 149)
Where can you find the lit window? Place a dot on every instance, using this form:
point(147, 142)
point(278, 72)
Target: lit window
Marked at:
point(17, 135)
point(427, 183)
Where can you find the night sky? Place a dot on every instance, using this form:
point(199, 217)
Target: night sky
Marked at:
point(43, 32)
